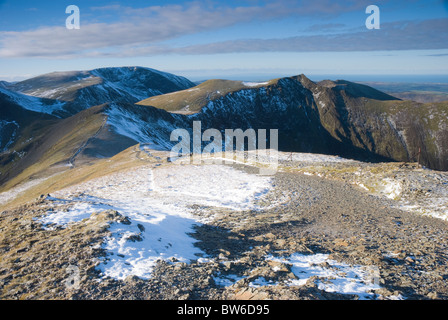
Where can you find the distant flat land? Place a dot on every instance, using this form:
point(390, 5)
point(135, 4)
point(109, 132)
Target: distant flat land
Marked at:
point(420, 92)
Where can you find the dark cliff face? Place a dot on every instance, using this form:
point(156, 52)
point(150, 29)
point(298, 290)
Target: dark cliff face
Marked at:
point(385, 126)
point(335, 117)
point(14, 119)
point(286, 106)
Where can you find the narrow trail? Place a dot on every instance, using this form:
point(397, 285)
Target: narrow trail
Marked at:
point(225, 232)
point(71, 161)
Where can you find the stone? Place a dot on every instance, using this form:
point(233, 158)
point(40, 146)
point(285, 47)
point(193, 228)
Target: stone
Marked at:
point(277, 266)
point(433, 295)
point(340, 242)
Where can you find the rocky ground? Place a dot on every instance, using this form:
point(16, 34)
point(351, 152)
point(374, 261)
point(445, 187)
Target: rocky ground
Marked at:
point(338, 211)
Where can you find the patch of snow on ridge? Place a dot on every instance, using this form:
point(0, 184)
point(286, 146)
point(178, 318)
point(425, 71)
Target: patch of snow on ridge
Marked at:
point(214, 185)
point(311, 157)
point(33, 103)
point(329, 275)
point(158, 203)
point(255, 84)
point(333, 276)
point(391, 188)
point(149, 130)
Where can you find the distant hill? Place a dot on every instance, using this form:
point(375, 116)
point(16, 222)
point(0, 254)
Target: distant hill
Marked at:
point(419, 92)
point(79, 90)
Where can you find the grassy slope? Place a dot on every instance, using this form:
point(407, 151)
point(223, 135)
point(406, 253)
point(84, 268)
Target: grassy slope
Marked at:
point(51, 147)
point(66, 176)
point(193, 100)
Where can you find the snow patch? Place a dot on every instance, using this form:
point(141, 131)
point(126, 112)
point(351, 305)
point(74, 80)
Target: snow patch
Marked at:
point(333, 276)
point(391, 188)
point(158, 204)
point(151, 131)
point(329, 275)
point(255, 84)
point(10, 195)
point(33, 103)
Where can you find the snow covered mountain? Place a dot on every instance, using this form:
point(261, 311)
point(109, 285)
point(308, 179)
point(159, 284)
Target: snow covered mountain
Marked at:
point(18, 111)
point(78, 90)
point(36, 104)
point(42, 123)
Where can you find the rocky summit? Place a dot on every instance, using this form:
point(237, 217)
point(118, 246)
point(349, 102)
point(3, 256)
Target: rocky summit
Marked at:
point(320, 228)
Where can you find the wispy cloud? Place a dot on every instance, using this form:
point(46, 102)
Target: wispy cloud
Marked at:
point(144, 26)
point(112, 7)
point(325, 27)
point(422, 35)
point(149, 27)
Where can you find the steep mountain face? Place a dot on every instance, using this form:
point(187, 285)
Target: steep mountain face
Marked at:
point(14, 117)
point(40, 105)
point(53, 145)
point(53, 123)
point(388, 127)
point(4, 84)
point(78, 90)
point(332, 117)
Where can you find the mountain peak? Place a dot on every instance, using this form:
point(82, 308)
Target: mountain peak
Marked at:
point(79, 90)
point(304, 79)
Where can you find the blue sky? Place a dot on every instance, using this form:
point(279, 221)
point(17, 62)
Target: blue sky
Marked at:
point(246, 39)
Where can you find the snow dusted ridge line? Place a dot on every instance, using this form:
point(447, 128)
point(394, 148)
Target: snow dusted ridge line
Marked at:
point(255, 84)
point(225, 146)
point(158, 203)
point(32, 103)
point(11, 194)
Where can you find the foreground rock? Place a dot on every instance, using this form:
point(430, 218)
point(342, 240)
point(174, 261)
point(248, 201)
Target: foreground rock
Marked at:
point(248, 254)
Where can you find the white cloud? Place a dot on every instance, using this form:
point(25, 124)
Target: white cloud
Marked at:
point(142, 31)
point(144, 26)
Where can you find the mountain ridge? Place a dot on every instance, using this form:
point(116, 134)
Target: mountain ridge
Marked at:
point(79, 90)
point(343, 117)
point(330, 117)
